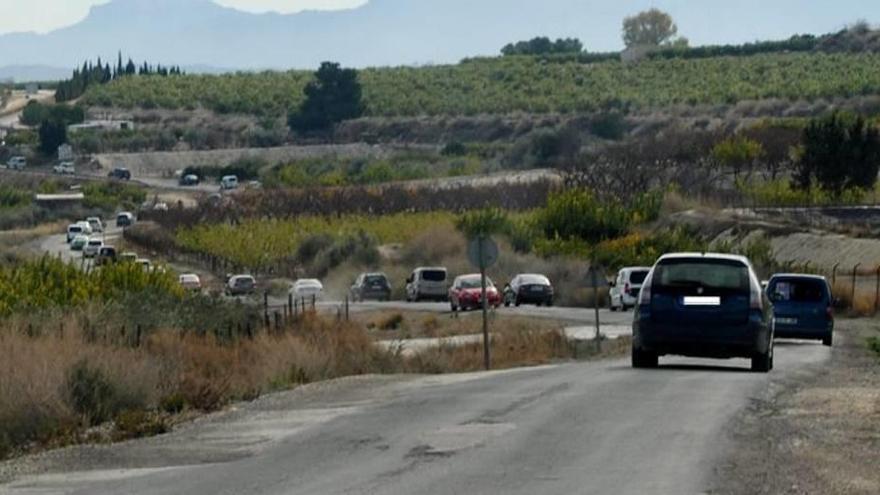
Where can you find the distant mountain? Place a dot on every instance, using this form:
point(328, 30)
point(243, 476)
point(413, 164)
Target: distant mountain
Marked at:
point(22, 73)
point(395, 32)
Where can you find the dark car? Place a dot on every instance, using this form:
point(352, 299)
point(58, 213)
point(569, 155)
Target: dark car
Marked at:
point(372, 286)
point(120, 174)
point(466, 292)
point(189, 180)
point(240, 285)
point(529, 289)
point(703, 305)
point(802, 306)
point(124, 219)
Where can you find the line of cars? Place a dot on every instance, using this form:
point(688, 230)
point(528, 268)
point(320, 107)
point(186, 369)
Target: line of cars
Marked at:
point(714, 306)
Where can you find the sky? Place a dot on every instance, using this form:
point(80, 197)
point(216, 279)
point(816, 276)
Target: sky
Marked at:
point(45, 15)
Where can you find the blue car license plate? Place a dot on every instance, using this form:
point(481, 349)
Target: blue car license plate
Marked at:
point(787, 321)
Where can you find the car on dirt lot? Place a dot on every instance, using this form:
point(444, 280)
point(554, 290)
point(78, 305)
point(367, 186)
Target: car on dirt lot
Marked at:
point(106, 256)
point(96, 224)
point(528, 289)
point(125, 219)
point(308, 289)
point(228, 183)
point(79, 242)
point(90, 250)
point(64, 168)
point(371, 286)
point(190, 282)
point(802, 307)
point(427, 283)
point(16, 163)
point(467, 290)
point(189, 180)
point(624, 292)
point(128, 257)
point(119, 174)
point(240, 285)
point(74, 230)
point(703, 305)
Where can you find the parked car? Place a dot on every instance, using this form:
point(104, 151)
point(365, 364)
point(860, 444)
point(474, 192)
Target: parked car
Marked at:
point(703, 305)
point(802, 307)
point(79, 242)
point(240, 285)
point(529, 289)
point(96, 224)
point(189, 180)
point(427, 283)
point(64, 168)
point(90, 250)
point(106, 256)
point(16, 163)
point(190, 282)
point(160, 207)
point(307, 289)
point(124, 219)
point(145, 264)
point(74, 230)
point(373, 286)
point(120, 174)
point(229, 182)
point(128, 257)
point(624, 292)
point(467, 290)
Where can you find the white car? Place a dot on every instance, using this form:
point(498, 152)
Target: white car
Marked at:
point(96, 224)
point(240, 285)
point(160, 207)
point(64, 168)
point(307, 289)
point(16, 163)
point(190, 282)
point(624, 293)
point(228, 183)
point(76, 229)
point(90, 250)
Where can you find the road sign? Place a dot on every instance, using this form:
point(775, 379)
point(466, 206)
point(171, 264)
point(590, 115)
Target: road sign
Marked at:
point(482, 252)
point(595, 278)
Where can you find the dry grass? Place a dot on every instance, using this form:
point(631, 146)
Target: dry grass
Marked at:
point(54, 385)
point(12, 241)
point(860, 306)
point(390, 325)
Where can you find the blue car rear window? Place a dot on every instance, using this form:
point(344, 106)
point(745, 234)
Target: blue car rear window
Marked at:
point(798, 290)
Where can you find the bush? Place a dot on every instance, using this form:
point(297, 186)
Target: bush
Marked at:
point(94, 396)
point(578, 215)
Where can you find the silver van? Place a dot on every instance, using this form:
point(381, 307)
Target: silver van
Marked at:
point(427, 283)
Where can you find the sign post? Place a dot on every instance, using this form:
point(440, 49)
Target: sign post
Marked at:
point(594, 282)
point(483, 253)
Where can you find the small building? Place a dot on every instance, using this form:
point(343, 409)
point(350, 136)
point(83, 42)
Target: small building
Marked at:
point(59, 201)
point(102, 125)
point(65, 153)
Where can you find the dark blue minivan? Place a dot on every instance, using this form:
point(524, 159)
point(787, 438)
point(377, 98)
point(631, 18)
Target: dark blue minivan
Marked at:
point(802, 306)
point(703, 305)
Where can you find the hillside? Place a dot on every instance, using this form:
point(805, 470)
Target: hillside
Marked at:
point(393, 32)
point(522, 84)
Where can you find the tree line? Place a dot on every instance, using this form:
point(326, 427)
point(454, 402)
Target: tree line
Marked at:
point(101, 72)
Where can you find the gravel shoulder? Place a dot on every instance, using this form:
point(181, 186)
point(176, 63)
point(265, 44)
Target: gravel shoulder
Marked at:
point(815, 432)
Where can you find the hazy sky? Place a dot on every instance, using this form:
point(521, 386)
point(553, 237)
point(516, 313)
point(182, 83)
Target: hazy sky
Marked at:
point(45, 15)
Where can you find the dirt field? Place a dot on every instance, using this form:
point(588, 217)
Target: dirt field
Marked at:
point(817, 434)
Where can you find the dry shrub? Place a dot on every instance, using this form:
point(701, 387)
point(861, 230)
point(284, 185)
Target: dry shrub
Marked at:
point(435, 244)
point(35, 397)
point(510, 349)
point(861, 306)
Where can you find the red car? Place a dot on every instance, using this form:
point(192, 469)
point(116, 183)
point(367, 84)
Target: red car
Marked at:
point(466, 290)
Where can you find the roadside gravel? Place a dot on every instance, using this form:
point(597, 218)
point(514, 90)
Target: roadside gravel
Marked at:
point(817, 431)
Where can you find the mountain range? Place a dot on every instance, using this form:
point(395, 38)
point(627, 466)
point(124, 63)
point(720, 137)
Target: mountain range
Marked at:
point(200, 33)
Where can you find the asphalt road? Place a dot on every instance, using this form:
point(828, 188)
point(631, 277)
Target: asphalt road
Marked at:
point(587, 428)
